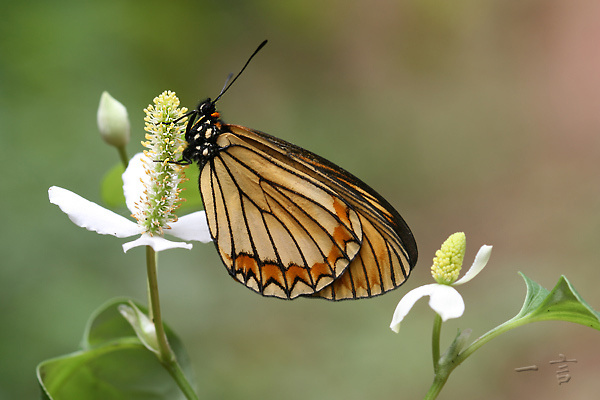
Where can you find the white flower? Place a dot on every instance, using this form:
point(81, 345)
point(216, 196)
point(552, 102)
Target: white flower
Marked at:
point(93, 217)
point(443, 298)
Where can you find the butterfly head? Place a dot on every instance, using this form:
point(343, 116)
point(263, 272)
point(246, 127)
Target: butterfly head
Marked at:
point(204, 125)
point(206, 109)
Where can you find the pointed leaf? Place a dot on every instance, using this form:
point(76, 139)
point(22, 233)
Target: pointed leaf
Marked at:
point(123, 370)
point(113, 364)
point(106, 324)
point(563, 303)
point(534, 297)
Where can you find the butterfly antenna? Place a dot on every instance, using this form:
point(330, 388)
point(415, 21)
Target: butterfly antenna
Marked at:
point(229, 81)
point(226, 84)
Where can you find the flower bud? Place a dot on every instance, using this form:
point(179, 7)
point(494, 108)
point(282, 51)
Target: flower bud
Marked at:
point(113, 121)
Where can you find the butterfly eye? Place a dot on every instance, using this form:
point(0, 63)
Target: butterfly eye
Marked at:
point(206, 108)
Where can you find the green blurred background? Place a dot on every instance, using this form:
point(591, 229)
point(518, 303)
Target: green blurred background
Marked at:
point(475, 116)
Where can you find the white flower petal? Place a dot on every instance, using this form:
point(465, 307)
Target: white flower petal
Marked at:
point(444, 300)
point(158, 243)
point(447, 302)
point(481, 259)
point(91, 216)
point(193, 226)
point(133, 187)
point(407, 302)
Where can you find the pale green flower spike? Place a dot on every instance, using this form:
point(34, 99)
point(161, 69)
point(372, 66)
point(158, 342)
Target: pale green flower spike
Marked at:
point(113, 121)
point(165, 142)
point(449, 258)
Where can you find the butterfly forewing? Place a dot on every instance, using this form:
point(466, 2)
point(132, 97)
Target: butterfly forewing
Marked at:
point(278, 230)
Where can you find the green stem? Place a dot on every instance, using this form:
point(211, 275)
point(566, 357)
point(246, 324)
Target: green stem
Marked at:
point(435, 341)
point(165, 352)
point(444, 369)
point(500, 329)
point(175, 371)
point(436, 387)
point(166, 355)
point(440, 375)
point(123, 156)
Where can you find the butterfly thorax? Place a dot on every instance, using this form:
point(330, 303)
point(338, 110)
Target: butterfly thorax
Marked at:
point(204, 127)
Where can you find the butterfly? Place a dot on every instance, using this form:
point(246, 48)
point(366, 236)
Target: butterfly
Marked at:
point(287, 222)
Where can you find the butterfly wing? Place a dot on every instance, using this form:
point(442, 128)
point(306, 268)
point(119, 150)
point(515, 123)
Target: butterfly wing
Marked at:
point(388, 251)
point(278, 231)
point(287, 222)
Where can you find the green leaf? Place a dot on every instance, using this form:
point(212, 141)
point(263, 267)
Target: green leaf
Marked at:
point(113, 364)
point(563, 303)
point(111, 190)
